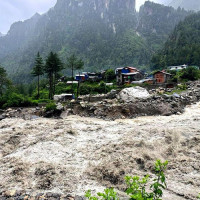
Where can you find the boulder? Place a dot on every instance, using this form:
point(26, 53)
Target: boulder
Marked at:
point(176, 95)
point(133, 93)
point(63, 97)
point(59, 106)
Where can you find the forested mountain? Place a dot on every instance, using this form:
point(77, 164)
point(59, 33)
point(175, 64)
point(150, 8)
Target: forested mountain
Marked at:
point(104, 33)
point(186, 4)
point(156, 23)
point(183, 45)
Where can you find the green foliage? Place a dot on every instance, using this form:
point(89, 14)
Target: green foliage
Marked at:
point(129, 38)
point(108, 194)
point(4, 81)
point(183, 45)
point(190, 73)
point(157, 22)
point(94, 88)
point(39, 65)
point(137, 187)
point(38, 70)
point(12, 99)
point(110, 75)
point(52, 68)
point(73, 63)
point(50, 107)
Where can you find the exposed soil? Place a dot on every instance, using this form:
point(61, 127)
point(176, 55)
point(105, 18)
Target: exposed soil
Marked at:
point(73, 154)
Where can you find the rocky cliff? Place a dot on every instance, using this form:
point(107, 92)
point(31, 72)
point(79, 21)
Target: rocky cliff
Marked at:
point(105, 34)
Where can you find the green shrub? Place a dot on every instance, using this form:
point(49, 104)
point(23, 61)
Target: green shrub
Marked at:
point(50, 107)
point(109, 194)
point(190, 73)
point(44, 94)
point(13, 99)
point(137, 187)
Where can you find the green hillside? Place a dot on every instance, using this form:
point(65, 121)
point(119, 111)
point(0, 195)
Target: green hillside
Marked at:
point(104, 33)
point(183, 45)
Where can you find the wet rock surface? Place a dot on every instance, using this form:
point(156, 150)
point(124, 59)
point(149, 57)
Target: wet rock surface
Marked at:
point(71, 155)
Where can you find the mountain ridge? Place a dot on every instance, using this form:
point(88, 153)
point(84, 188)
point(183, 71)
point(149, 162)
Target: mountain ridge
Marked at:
point(105, 34)
point(188, 5)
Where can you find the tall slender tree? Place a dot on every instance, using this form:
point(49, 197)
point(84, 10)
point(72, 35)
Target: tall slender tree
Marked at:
point(74, 63)
point(4, 81)
point(58, 66)
point(52, 68)
point(38, 70)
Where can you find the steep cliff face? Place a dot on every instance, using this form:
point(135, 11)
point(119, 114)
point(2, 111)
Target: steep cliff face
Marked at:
point(104, 33)
point(97, 5)
point(19, 35)
point(157, 21)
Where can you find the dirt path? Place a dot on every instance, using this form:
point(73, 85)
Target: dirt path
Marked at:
point(73, 154)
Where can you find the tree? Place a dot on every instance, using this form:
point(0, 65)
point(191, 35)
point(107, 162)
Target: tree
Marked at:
point(191, 73)
point(52, 67)
point(38, 70)
point(4, 81)
point(58, 66)
point(74, 64)
point(110, 75)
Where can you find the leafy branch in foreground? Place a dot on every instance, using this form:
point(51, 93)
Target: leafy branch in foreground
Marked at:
point(109, 194)
point(137, 187)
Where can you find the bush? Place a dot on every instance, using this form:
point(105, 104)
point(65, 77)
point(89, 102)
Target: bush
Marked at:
point(190, 73)
point(50, 107)
point(136, 186)
point(13, 99)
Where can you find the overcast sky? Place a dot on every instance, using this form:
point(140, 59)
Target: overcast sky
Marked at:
point(19, 10)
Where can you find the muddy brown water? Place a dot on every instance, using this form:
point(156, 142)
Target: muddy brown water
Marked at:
point(74, 154)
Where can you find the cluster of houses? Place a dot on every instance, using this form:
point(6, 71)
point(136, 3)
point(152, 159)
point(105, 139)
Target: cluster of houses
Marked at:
point(90, 76)
point(131, 75)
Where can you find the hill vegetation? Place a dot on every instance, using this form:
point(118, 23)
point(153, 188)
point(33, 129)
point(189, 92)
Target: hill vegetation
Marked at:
point(106, 36)
point(183, 45)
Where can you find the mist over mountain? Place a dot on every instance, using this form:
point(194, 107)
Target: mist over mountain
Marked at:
point(1, 34)
point(186, 4)
point(104, 33)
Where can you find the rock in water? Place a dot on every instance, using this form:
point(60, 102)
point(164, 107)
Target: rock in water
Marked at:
point(130, 94)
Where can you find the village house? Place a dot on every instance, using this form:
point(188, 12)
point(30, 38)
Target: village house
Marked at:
point(127, 75)
point(161, 77)
point(82, 77)
point(178, 68)
point(148, 81)
point(90, 76)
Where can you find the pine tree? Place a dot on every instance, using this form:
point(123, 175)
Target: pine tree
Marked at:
point(38, 70)
point(52, 68)
point(58, 66)
point(74, 64)
point(4, 81)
